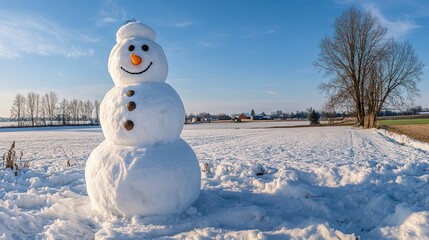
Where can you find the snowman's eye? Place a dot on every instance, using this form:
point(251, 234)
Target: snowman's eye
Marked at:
point(145, 47)
point(131, 48)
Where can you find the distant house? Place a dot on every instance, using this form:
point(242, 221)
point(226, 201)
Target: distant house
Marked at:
point(258, 117)
point(206, 120)
point(192, 120)
point(245, 116)
point(249, 117)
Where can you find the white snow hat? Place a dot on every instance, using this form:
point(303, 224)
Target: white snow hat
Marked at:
point(133, 29)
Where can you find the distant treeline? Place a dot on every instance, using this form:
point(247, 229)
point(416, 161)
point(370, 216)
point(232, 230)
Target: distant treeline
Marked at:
point(408, 111)
point(34, 109)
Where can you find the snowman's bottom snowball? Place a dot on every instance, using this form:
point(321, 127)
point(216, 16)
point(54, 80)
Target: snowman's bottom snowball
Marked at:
point(150, 180)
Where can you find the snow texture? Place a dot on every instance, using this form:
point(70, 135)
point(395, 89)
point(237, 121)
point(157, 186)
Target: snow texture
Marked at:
point(258, 183)
point(143, 167)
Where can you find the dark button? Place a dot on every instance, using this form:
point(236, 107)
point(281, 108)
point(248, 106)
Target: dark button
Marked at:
point(131, 106)
point(128, 124)
point(130, 93)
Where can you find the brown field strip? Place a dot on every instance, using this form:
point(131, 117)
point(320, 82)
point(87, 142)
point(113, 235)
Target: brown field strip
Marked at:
point(417, 131)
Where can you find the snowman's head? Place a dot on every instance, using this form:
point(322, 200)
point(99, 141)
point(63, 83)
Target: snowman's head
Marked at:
point(136, 57)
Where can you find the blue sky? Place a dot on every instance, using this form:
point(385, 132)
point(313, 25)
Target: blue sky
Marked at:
point(224, 56)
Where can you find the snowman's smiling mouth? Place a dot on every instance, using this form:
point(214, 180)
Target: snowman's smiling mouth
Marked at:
point(136, 73)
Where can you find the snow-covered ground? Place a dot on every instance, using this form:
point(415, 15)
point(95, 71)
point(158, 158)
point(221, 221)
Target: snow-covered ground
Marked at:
point(259, 183)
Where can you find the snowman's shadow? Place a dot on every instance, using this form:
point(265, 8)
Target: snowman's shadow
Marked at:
point(231, 210)
point(215, 209)
point(217, 212)
point(243, 211)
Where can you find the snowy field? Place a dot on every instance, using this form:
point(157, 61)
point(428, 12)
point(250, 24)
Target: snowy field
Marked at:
point(261, 183)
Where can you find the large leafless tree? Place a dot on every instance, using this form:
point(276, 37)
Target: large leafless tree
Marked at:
point(367, 69)
point(394, 79)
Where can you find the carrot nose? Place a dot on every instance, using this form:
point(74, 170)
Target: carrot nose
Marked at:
point(135, 59)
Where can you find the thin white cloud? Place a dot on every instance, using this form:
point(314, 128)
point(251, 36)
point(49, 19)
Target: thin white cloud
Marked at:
point(202, 43)
point(176, 50)
point(271, 92)
point(23, 34)
point(76, 52)
point(397, 28)
point(181, 79)
point(271, 84)
point(59, 74)
point(105, 20)
point(212, 38)
point(403, 24)
point(181, 24)
point(110, 13)
point(258, 33)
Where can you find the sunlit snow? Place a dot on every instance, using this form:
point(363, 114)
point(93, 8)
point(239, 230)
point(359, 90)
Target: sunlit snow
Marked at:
point(257, 183)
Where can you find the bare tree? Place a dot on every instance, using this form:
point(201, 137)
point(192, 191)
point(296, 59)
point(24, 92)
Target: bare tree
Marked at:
point(64, 111)
point(74, 110)
point(18, 109)
point(37, 108)
point(356, 58)
point(32, 107)
point(348, 56)
point(329, 113)
point(313, 116)
point(88, 109)
point(393, 81)
point(50, 101)
point(42, 109)
point(53, 97)
point(81, 110)
point(97, 111)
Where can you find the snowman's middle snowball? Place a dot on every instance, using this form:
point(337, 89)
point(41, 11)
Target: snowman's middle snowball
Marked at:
point(158, 116)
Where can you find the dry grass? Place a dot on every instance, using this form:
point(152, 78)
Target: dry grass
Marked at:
point(11, 160)
point(419, 132)
point(66, 154)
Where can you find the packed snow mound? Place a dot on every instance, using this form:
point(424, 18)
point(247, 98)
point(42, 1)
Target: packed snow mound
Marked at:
point(158, 116)
point(151, 180)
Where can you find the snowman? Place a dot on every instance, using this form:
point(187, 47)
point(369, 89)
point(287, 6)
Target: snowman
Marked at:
point(142, 167)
